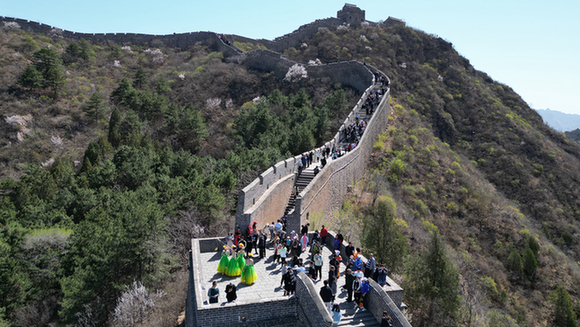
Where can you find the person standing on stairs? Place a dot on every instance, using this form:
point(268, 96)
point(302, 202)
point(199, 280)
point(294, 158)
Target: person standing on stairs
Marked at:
point(326, 295)
point(336, 315)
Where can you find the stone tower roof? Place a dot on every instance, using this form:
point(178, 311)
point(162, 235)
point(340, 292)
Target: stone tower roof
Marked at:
point(351, 14)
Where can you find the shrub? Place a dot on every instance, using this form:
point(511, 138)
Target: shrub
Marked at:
point(567, 237)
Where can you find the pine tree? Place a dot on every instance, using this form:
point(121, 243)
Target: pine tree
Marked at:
point(431, 282)
point(564, 315)
point(31, 78)
point(382, 234)
point(530, 263)
point(514, 263)
point(95, 106)
point(115, 128)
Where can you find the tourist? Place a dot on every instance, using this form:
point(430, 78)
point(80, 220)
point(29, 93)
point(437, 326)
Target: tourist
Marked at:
point(323, 234)
point(311, 271)
point(231, 295)
point(364, 290)
point(213, 293)
point(370, 266)
point(326, 295)
point(282, 253)
point(332, 279)
point(336, 315)
point(349, 284)
point(284, 270)
point(382, 278)
point(262, 245)
point(237, 235)
point(349, 250)
point(356, 287)
point(386, 321)
point(287, 281)
point(318, 262)
point(272, 231)
point(304, 241)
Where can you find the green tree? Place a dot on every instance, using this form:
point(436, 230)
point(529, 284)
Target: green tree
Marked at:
point(514, 263)
point(564, 315)
point(48, 63)
point(140, 79)
point(119, 93)
point(530, 262)
point(432, 284)
point(31, 78)
point(115, 128)
point(95, 106)
point(383, 236)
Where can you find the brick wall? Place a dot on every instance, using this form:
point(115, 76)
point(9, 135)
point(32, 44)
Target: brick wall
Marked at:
point(312, 311)
point(260, 312)
point(379, 301)
point(326, 191)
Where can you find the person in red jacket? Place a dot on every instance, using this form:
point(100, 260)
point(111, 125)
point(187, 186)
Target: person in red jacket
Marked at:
point(323, 234)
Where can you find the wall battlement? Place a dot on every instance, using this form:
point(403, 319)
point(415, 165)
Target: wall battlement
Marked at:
point(349, 14)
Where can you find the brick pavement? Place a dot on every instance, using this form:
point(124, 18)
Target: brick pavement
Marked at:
point(267, 286)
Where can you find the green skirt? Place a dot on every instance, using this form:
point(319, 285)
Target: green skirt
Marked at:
point(223, 265)
point(249, 275)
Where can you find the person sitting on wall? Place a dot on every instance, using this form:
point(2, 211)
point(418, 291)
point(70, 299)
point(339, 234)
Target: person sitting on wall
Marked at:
point(316, 170)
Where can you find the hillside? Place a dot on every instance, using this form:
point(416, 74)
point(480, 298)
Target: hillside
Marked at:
point(115, 156)
point(560, 121)
point(467, 155)
point(163, 150)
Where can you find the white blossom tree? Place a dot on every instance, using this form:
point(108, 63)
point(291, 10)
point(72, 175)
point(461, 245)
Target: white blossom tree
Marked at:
point(296, 73)
point(134, 305)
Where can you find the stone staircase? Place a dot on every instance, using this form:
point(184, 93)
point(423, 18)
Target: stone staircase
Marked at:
point(307, 174)
point(300, 184)
point(352, 316)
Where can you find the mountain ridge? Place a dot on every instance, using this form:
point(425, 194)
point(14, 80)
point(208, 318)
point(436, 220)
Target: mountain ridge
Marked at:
point(463, 154)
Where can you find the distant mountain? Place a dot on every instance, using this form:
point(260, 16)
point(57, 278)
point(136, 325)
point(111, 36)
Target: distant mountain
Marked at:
point(560, 121)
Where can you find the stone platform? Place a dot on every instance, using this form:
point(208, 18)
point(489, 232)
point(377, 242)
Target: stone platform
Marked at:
point(269, 276)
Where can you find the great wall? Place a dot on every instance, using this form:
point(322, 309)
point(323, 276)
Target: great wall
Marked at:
point(266, 198)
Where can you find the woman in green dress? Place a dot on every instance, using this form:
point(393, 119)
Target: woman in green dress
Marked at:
point(240, 259)
point(234, 267)
point(224, 261)
point(249, 275)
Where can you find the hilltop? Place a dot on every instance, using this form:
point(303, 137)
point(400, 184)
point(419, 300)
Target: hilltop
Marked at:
point(176, 132)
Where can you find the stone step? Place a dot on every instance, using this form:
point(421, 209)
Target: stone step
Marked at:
point(360, 318)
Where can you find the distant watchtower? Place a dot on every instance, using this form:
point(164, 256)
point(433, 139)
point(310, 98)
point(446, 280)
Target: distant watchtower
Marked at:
point(351, 14)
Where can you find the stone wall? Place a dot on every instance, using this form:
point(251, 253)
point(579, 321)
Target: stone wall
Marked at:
point(379, 301)
point(325, 192)
point(272, 312)
point(270, 206)
point(257, 201)
point(176, 40)
point(312, 310)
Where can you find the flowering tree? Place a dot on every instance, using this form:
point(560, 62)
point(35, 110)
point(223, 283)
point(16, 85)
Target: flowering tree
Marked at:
point(296, 73)
point(213, 103)
point(134, 305)
point(157, 56)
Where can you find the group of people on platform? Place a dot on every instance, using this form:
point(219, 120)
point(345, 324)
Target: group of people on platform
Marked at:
point(287, 249)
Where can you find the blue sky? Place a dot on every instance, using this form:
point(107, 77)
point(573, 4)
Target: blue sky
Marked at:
point(529, 45)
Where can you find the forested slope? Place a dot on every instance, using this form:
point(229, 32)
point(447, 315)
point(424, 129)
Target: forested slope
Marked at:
point(114, 157)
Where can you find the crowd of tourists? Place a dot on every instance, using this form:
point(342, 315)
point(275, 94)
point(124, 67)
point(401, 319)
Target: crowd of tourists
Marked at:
point(351, 134)
point(286, 251)
point(287, 247)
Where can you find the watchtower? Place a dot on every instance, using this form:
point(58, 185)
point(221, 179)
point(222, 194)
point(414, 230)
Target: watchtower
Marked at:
point(351, 14)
